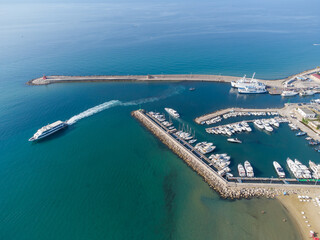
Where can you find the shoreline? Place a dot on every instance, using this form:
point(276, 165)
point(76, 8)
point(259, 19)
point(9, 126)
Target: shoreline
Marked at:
point(287, 194)
point(312, 213)
point(272, 83)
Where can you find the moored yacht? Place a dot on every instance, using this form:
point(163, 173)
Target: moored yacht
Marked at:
point(306, 93)
point(279, 169)
point(172, 112)
point(249, 169)
point(258, 124)
point(48, 130)
point(242, 172)
point(288, 93)
point(267, 127)
point(315, 169)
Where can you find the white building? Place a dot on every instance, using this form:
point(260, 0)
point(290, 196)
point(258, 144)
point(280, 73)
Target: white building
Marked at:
point(306, 113)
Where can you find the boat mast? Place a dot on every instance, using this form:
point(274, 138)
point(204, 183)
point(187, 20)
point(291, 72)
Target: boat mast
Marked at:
point(253, 76)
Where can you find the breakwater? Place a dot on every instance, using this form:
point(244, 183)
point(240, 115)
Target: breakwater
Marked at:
point(276, 83)
point(235, 188)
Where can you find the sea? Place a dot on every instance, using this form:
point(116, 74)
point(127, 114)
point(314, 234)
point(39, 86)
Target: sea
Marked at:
point(106, 176)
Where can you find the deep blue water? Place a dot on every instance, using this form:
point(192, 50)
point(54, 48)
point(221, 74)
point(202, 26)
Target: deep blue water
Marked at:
point(106, 177)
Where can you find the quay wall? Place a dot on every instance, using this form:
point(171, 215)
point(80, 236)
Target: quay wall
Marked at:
point(226, 189)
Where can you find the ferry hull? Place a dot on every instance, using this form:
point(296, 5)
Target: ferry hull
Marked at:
point(32, 139)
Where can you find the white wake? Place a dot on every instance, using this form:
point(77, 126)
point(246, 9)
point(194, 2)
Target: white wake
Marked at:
point(93, 110)
point(114, 103)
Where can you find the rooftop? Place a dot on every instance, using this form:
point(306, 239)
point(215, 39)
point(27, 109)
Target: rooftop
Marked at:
point(306, 111)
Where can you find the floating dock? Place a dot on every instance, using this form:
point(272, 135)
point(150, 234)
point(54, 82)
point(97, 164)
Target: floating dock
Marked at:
point(235, 187)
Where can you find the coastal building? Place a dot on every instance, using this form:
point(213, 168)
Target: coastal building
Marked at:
point(314, 124)
point(315, 77)
point(306, 113)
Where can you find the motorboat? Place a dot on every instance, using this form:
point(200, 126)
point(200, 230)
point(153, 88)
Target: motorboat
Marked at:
point(249, 169)
point(234, 140)
point(288, 93)
point(241, 171)
point(279, 169)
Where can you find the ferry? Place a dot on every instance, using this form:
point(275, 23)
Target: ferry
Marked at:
point(249, 169)
point(234, 140)
point(289, 93)
point(243, 82)
point(172, 112)
point(267, 127)
point(279, 169)
point(242, 172)
point(251, 90)
point(48, 130)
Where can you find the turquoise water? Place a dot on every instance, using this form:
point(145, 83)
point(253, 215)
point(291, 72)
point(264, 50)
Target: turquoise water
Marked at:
point(106, 177)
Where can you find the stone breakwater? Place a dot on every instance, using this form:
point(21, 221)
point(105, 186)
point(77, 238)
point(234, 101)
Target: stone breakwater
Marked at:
point(276, 83)
point(226, 189)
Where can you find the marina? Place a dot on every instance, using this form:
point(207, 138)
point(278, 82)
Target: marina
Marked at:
point(228, 186)
point(304, 82)
point(243, 126)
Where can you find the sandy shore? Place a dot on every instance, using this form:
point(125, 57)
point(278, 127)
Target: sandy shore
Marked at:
point(311, 211)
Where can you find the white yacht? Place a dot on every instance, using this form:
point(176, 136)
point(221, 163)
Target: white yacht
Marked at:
point(306, 93)
point(274, 122)
point(293, 168)
point(249, 169)
point(205, 147)
point(288, 93)
point(48, 130)
point(267, 127)
point(298, 169)
point(279, 169)
point(315, 168)
point(242, 172)
point(234, 140)
point(172, 112)
point(258, 124)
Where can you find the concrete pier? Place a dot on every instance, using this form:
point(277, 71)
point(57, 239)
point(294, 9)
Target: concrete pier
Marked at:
point(233, 187)
point(229, 110)
point(271, 84)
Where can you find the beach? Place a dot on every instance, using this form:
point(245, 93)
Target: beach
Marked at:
point(311, 212)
